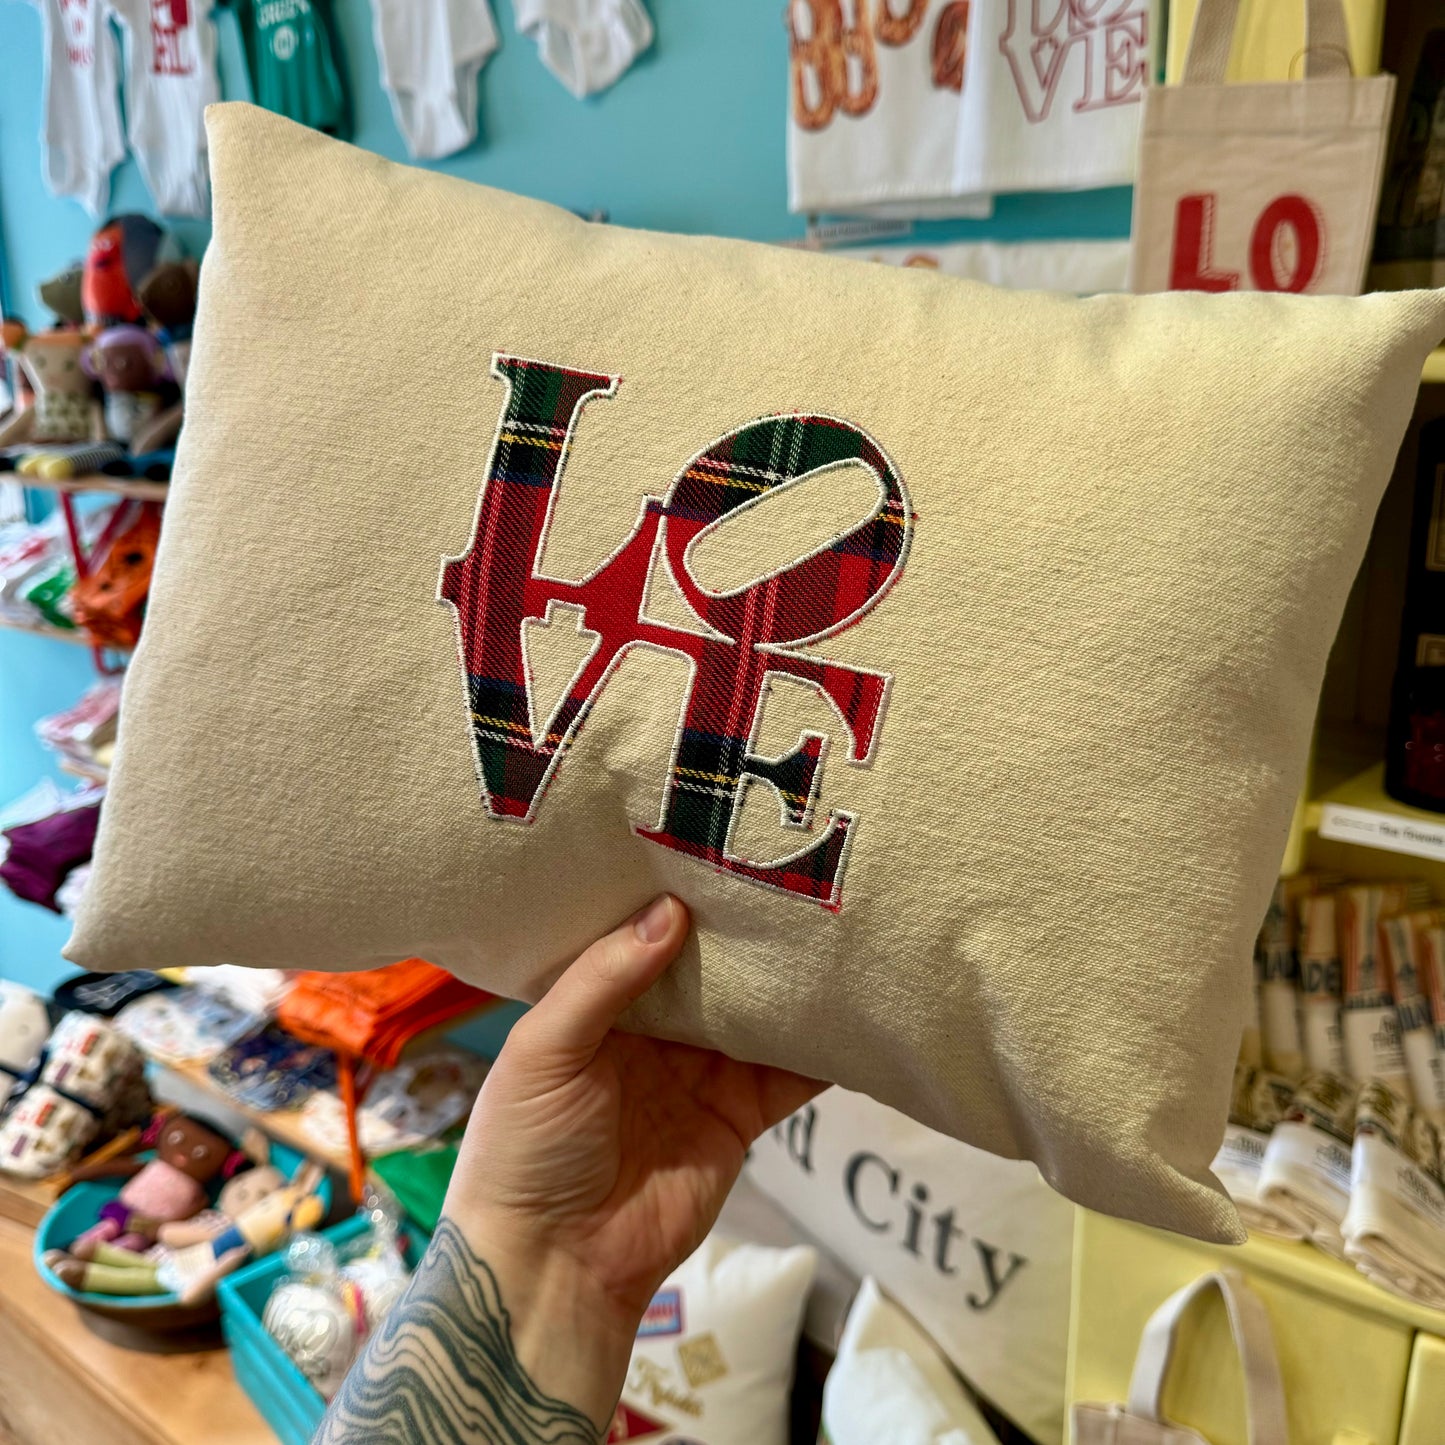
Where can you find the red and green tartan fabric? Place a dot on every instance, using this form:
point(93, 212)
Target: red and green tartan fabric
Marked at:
point(743, 636)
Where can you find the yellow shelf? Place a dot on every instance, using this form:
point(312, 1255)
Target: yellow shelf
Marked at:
point(137, 488)
point(1360, 812)
point(1344, 1345)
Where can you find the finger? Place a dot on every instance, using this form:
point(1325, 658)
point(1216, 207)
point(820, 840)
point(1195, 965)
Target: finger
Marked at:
point(781, 1093)
point(576, 1013)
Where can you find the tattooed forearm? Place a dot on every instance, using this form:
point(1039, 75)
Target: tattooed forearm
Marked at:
point(443, 1368)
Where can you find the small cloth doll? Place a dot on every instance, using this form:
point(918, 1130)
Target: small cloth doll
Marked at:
point(168, 297)
point(256, 1213)
point(121, 252)
point(61, 293)
point(131, 367)
point(64, 408)
point(169, 1187)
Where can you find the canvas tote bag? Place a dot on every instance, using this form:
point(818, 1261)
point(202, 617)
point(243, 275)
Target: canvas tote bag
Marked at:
point(1267, 186)
point(1142, 1422)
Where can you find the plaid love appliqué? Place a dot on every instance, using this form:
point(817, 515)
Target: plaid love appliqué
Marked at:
point(497, 585)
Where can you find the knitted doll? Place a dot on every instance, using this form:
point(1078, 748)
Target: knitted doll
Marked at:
point(61, 293)
point(168, 297)
point(129, 364)
point(256, 1213)
point(64, 408)
point(170, 1187)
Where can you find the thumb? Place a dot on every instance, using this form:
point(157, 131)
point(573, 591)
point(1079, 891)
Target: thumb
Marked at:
point(569, 1024)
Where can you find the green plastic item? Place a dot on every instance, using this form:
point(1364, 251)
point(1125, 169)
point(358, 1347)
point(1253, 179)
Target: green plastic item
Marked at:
point(47, 594)
point(419, 1179)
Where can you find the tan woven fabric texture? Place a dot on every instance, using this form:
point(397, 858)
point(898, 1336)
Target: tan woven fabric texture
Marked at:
point(1134, 522)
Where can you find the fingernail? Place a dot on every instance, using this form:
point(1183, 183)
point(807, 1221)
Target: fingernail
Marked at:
point(653, 922)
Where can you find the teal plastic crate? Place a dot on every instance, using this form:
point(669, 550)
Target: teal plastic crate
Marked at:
point(289, 1402)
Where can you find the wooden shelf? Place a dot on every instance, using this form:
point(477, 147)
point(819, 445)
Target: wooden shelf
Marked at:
point(69, 1375)
point(284, 1125)
point(25, 1201)
point(134, 487)
point(190, 1081)
point(1435, 366)
point(44, 629)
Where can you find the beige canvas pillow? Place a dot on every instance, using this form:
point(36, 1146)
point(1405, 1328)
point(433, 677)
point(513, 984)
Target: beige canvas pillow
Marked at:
point(1017, 680)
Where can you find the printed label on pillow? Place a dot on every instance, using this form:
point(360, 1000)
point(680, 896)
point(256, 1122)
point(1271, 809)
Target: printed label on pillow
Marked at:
point(498, 587)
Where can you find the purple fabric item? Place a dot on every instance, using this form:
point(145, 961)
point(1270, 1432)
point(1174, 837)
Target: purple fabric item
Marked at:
point(116, 1212)
point(43, 852)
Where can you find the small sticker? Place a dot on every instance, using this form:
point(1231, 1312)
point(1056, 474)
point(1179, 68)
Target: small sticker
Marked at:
point(702, 1360)
point(663, 1316)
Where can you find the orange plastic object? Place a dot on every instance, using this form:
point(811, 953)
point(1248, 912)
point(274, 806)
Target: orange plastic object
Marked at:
point(110, 601)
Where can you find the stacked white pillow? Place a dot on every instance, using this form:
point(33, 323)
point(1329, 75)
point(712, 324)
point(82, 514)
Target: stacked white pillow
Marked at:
point(714, 1358)
point(890, 1383)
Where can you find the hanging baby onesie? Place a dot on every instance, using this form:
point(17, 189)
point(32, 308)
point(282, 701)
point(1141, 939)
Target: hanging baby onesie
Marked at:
point(431, 52)
point(873, 102)
point(81, 133)
point(586, 44)
point(291, 55)
point(170, 79)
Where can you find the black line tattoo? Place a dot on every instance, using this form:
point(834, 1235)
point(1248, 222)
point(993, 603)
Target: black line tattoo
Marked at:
point(442, 1370)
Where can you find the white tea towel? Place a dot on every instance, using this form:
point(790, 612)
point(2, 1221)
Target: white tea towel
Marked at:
point(1080, 268)
point(1305, 1175)
point(1320, 985)
point(1257, 1103)
point(873, 106)
point(1052, 97)
point(1420, 1006)
point(1371, 1030)
point(1394, 1230)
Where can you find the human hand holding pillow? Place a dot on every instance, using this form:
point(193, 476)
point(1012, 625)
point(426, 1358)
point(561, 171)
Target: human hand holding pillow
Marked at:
point(595, 1162)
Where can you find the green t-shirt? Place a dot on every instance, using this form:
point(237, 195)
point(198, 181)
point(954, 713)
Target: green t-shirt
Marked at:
point(292, 57)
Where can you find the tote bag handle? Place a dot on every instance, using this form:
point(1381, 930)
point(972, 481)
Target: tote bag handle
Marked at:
point(1249, 1324)
point(1327, 40)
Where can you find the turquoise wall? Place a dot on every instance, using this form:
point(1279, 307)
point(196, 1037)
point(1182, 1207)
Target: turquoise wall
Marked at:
point(691, 139)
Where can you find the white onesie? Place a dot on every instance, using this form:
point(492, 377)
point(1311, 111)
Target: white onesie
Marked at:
point(81, 135)
point(586, 44)
point(170, 80)
point(431, 52)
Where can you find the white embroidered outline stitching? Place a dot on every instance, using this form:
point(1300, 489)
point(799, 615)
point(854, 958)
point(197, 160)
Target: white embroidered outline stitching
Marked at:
point(579, 613)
